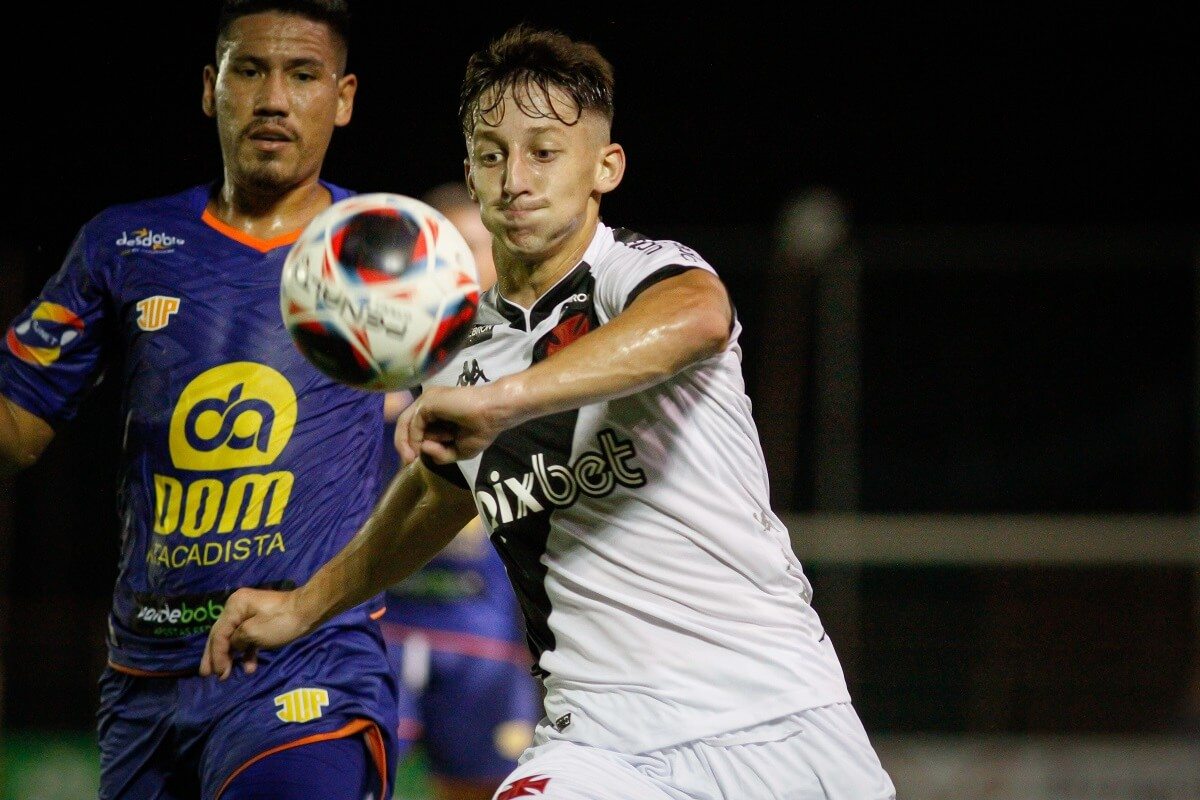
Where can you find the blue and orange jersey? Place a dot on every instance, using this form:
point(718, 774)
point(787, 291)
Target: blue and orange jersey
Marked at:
point(242, 464)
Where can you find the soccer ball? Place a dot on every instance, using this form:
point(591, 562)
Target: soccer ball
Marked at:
point(379, 291)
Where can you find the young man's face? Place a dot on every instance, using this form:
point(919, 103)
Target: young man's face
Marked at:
point(277, 93)
point(534, 175)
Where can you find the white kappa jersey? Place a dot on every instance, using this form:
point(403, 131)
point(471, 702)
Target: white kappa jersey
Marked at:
point(662, 599)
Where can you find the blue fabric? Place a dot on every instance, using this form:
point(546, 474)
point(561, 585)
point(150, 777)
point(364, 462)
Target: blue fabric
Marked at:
point(164, 738)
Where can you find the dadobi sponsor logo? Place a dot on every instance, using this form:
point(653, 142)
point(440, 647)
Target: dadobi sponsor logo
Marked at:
point(146, 239)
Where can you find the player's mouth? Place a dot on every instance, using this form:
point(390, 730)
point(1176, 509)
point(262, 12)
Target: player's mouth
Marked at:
point(270, 138)
point(515, 213)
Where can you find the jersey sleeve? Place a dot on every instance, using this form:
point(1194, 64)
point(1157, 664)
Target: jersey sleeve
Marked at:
point(53, 351)
point(649, 263)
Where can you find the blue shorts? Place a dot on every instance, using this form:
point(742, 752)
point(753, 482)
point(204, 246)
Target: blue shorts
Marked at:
point(469, 700)
point(169, 738)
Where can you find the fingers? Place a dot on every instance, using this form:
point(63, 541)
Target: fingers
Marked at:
point(404, 434)
point(231, 635)
point(440, 452)
point(217, 659)
point(248, 653)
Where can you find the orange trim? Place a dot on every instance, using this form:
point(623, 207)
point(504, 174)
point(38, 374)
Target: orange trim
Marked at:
point(379, 613)
point(261, 245)
point(141, 673)
point(370, 731)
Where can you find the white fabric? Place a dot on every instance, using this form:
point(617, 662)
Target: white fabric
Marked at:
point(678, 609)
point(818, 754)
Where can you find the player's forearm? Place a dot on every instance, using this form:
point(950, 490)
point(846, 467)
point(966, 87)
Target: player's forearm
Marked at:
point(411, 523)
point(670, 327)
point(23, 437)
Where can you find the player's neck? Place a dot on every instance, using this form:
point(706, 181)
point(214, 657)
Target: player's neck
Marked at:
point(523, 282)
point(267, 214)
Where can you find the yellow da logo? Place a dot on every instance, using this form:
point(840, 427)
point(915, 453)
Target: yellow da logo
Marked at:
point(301, 705)
point(236, 415)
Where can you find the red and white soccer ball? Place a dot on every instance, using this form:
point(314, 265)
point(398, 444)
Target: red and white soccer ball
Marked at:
point(379, 291)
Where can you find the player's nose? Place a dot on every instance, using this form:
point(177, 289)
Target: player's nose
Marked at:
point(272, 98)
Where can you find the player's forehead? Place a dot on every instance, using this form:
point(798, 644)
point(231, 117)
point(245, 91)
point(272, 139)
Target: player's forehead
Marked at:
point(526, 108)
point(274, 36)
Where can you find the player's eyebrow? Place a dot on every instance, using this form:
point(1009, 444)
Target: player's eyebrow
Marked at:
point(529, 133)
point(291, 63)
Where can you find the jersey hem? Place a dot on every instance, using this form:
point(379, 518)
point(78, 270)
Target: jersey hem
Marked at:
point(715, 725)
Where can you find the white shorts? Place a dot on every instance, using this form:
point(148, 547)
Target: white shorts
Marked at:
point(818, 754)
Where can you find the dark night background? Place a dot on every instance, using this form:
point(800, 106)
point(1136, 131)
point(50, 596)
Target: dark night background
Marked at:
point(1051, 156)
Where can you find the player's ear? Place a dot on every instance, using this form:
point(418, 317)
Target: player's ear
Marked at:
point(467, 178)
point(347, 86)
point(610, 168)
point(208, 101)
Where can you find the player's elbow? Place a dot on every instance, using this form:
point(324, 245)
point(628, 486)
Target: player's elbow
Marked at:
point(14, 458)
point(705, 323)
point(709, 330)
point(23, 437)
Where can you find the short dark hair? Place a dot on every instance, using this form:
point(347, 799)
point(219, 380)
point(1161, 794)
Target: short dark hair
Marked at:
point(334, 13)
point(529, 60)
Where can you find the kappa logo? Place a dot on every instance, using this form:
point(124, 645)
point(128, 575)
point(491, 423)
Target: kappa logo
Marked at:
point(524, 787)
point(301, 705)
point(471, 374)
point(762, 519)
point(155, 312)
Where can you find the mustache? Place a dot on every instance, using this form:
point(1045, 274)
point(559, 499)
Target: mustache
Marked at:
point(274, 127)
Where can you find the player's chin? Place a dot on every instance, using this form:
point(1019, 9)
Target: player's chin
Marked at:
point(268, 172)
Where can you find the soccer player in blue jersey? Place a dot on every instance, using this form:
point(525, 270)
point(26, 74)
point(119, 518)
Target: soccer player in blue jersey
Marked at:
point(242, 464)
point(453, 629)
point(596, 419)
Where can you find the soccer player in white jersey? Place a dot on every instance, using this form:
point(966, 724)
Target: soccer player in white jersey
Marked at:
point(597, 420)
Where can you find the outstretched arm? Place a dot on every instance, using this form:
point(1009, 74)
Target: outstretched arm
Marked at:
point(670, 326)
point(23, 437)
point(417, 517)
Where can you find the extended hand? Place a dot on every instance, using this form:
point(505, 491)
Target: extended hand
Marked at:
point(448, 424)
point(252, 619)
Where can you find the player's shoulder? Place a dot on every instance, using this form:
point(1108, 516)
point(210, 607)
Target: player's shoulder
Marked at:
point(616, 248)
point(152, 218)
point(190, 201)
point(337, 192)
